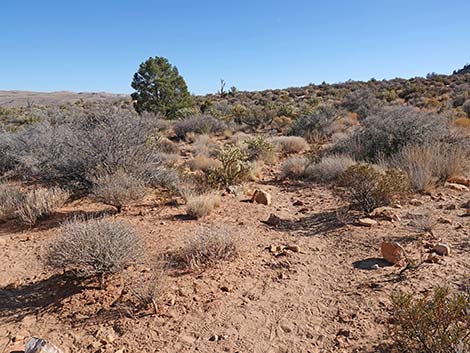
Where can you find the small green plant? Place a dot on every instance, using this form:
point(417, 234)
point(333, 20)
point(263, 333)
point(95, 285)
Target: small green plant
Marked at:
point(259, 148)
point(371, 188)
point(234, 168)
point(436, 324)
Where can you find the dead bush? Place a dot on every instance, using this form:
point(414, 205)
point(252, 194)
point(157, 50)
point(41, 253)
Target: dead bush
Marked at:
point(39, 204)
point(199, 206)
point(204, 124)
point(290, 144)
point(295, 167)
point(204, 163)
point(9, 198)
point(329, 168)
point(118, 189)
point(436, 324)
point(95, 248)
point(208, 246)
point(370, 188)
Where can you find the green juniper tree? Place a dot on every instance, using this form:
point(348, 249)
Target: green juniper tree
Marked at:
point(160, 88)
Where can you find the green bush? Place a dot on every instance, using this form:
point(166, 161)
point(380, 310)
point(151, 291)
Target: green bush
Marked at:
point(371, 188)
point(436, 324)
point(234, 168)
point(259, 148)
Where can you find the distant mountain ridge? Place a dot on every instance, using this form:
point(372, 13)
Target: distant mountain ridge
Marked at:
point(14, 98)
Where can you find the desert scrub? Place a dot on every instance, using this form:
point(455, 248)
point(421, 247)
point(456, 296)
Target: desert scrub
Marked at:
point(328, 168)
point(203, 163)
point(439, 323)
point(234, 169)
point(95, 248)
point(208, 246)
point(290, 144)
point(39, 204)
point(118, 190)
point(295, 167)
point(199, 206)
point(259, 148)
point(429, 165)
point(370, 188)
point(9, 198)
point(204, 124)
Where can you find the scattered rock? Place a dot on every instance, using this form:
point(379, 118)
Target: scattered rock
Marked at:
point(366, 222)
point(273, 220)
point(457, 187)
point(451, 207)
point(443, 220)
point(416, 202)
point(375, 267)
point(38, 345)
point(392, 252)
point(261, 197)
point(442, 249)
point(217, 338)
point(466, 205)
point(460, 181)
point(233, 189)
point(226, 288)
point(344, 332)
point(294, 248)
point(385, 213)
point(433, 259)
point(298, 203)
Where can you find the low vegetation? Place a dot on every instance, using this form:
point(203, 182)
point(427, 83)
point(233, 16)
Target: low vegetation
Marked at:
point(199, 206)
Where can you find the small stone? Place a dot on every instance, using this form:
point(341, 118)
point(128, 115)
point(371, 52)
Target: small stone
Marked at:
point(367, 222)
point(385, 213)
point(273, 220)
point(233, 189)
point(443, 220)
point(298, 203)
point(466, 205)
point(225, 288)
point(38, 345)
point(457, 187)
point(294, 248)
point(261, 197)
point(460, 181)
point(442, 249)
point(375, 267)
point(392, 252)
point(433, 259)
point(451, 207)
point(416, 202)
point(344, 332)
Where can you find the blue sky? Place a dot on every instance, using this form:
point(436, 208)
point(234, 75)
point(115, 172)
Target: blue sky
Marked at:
point(97, 45)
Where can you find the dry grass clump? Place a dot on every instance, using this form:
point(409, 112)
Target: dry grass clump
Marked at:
point(204, 124)
point(204, 163)
point(371, 188)
point(95, 247)
point(295, 167)
point(428, 165)
point(439, 323)
point(39, 204)
point(239, 138)
point(290, 144)
point(204, 145)
point(328, 168)
point(199, 206)
point(9, 198)
point(118, 189)
point(208, 246)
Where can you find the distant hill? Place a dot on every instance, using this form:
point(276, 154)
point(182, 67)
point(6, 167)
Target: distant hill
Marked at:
point(463, 70)
point(23, 98)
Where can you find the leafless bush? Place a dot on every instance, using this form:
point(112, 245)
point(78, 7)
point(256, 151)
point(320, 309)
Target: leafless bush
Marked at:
point(95, 247)
point(9, 198)
point(199, 206)
point(203, 163)
point(39, 204)
point(290, 144)
point(209, 246)
point(329, 168)
point(204, 124)
point(320, 122)
point(118, 189)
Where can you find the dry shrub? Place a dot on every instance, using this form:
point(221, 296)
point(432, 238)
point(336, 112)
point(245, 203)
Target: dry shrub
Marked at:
point(204, 124)
point(295, 167)
point(462, 123)
point(436, 324)
point(9, 198)
point(208, 246)
point(259, 148)
point(165, 145)
point(239, 138)
point(95, 247)
point(370, 188)
point(203, 145)
point(255, 170)
point(118, 189)
point(203, 163)
point(329, 168)
point(199, 206)
point(39, 204)
point(428, 165)
point(290, 144)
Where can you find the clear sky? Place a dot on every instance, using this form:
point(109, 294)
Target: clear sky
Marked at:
point(83, 45)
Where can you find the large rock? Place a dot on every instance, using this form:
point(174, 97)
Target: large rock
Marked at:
point(38, 345)
point(392, 252)
point(442, 249)
point(366, 222)
point(261, 196)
